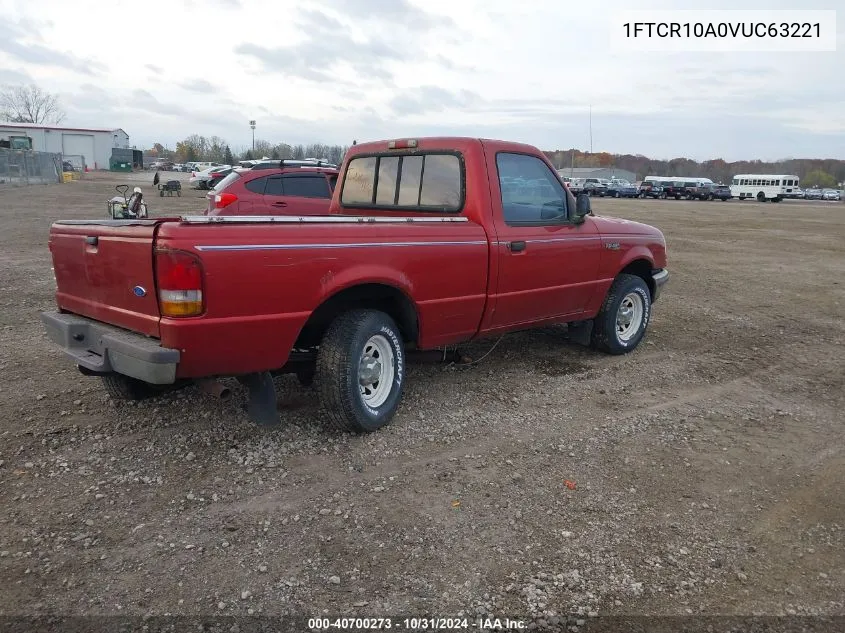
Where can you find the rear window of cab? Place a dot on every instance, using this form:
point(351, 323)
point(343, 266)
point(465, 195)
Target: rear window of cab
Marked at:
point(428, 181)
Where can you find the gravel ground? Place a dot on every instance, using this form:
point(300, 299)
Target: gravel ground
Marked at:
point(706, 470)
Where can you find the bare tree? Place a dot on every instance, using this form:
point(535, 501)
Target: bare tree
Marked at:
point(29, 104)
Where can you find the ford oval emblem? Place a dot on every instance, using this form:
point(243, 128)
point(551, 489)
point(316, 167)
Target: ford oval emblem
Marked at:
point(139, 291)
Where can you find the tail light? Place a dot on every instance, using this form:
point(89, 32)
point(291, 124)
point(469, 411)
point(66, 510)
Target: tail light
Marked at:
point(179, 278)
point(223, 200)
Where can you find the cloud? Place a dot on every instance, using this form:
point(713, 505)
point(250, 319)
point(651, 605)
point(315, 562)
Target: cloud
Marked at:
point(158, 70)
point(144, 100)
point(397, 12)
point(326, 49)
point(9, 76)
point(427, 99)
point(11, 36)
point(199, 85)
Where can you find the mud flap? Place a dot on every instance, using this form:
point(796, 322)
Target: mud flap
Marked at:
point(262, 398)
point(580, 332)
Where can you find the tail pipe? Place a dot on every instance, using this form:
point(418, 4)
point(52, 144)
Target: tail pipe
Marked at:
point(214, 388)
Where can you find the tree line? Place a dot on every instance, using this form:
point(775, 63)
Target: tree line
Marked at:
point(31, 104)
point(812, 172)
point(215, 149)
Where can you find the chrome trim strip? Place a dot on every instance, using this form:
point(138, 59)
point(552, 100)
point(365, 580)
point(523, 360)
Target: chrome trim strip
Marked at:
point(316, 219)
point(281, 247)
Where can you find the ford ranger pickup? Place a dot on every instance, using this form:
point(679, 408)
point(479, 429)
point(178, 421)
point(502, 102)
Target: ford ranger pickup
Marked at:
point(428, 243)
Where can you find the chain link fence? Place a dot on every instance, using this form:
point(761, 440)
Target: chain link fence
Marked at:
point(25, 167)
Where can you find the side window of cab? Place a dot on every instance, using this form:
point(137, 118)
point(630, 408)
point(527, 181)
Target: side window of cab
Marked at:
point(531, 193)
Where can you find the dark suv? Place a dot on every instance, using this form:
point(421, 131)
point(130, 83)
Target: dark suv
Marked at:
point(283, 188)
point(715, 192)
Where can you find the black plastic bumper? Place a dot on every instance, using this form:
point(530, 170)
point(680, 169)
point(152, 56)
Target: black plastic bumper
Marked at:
point(102, 348)
point(660, 277)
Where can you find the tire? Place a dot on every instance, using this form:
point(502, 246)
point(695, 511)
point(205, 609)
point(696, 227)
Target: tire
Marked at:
point(347, 404)
point(179, 194)
point(662, 196)
point(121, 387)
point(641, 196)
point(710, 197)
point(761, 197)
point(607, 335)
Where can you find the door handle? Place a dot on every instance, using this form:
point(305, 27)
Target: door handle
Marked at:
point(280, 204)
point(516, 247)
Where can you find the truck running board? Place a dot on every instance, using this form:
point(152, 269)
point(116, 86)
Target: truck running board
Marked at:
point(262, 398)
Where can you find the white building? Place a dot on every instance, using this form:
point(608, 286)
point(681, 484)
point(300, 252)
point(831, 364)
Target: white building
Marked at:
point(95, 145)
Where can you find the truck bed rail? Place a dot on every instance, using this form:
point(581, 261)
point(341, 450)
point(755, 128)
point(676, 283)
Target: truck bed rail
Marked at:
point(316, 219)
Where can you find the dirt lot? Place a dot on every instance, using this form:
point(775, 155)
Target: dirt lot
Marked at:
point(709, 463)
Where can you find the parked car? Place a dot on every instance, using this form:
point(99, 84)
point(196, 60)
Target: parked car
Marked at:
point(621, 189)
point(204, 179)
point(831, 194)
point(714, 192)
point(407, 264)
point(674, 190)
point(68, 166)
point(813, 194)
point(651, 189)
point(796, 192)
point(595, 186)
point(278, 190)
point(575, 185)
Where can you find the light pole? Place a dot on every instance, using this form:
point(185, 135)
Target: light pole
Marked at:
point(252, 125)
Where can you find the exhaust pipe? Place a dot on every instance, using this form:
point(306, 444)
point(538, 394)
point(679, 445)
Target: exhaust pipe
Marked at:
point(214, 388)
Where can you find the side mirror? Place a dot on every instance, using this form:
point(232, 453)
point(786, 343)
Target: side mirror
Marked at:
point(582, 206)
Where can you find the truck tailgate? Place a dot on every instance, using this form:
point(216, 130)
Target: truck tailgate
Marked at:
point(104, 271)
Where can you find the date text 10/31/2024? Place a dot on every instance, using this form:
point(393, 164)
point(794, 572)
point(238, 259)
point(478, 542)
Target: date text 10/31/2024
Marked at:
point(416, 624)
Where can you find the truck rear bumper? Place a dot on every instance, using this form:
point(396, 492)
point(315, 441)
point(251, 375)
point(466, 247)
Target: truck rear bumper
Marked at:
point(660, 277)
point(103, 348)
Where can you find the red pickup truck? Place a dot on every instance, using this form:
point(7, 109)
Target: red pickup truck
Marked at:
point(429, 242)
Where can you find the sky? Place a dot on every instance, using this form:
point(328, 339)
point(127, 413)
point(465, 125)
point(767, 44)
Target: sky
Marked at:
point(330, 71)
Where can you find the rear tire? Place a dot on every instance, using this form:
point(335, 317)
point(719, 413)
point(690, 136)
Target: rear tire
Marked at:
point(121, 387)
point(761, 197)
point(624, 316)
point(361, 370)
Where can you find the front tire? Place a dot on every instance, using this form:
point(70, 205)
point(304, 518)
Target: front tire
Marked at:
point(624, 316)
point(361, 370)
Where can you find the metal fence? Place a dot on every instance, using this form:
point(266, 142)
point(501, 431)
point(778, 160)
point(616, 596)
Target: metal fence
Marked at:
point(77, 161)
point(25, 167)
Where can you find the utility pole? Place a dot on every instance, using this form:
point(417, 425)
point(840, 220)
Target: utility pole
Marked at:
point(572, 163)
point(591, 128)
point(252, 125)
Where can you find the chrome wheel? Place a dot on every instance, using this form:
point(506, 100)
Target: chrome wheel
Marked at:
point(629, 317)
point(376, 371)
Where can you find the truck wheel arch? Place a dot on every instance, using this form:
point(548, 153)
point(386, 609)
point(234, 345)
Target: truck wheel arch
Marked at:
point(641, 267)
point(374, 296)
